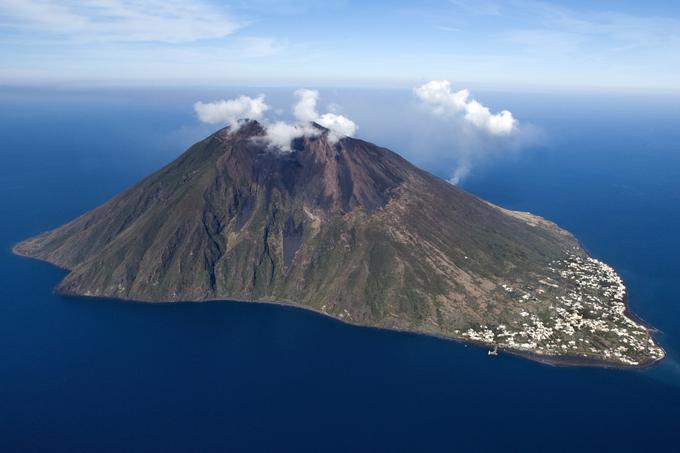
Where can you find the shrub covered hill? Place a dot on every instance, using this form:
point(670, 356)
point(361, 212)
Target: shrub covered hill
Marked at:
point(352, 230)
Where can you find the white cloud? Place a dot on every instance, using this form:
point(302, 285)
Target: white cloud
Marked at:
point(305, 108)
point(437, 94)
point(278, 134)
point(340, 126)
point(169, 21)
point(498, 124)
point(281, 134)
point(474, 133)
point(232, 110)
point(305, 111)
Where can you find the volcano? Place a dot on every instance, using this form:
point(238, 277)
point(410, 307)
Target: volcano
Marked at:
point(352, 230)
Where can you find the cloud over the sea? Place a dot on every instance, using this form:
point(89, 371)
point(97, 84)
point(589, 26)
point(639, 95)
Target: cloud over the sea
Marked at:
point(279, 133)
point(477, 134)
point(437, 94)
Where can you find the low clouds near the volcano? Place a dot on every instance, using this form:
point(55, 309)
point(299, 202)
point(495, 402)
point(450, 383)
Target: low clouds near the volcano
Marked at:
point(443, 130)
point(232, 110)
point(279, 133)
point(305, 111)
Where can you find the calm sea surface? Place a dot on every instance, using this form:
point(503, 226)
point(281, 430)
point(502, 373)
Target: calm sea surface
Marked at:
point(99, 375)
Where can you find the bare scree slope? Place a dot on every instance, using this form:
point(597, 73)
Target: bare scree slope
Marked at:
point(352, 230)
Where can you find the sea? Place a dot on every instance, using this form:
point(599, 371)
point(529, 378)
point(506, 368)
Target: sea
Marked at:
point(91, 375)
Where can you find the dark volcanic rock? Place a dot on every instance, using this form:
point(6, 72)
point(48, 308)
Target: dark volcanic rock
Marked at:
point(352, 230)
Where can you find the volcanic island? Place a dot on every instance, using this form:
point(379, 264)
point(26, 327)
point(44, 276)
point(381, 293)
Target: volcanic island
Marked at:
point(354, 231)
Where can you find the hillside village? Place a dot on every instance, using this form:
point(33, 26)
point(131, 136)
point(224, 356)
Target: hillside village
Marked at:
point(585, 320)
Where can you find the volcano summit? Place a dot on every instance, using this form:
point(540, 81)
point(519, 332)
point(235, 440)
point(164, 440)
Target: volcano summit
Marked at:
point(350, 229)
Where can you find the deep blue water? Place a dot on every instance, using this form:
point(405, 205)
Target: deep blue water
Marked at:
point(99, 375)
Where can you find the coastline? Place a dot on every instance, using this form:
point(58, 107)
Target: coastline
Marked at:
point(548, 360)
point(628, 312)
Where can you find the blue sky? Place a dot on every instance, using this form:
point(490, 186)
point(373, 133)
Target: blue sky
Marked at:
point(611, 45)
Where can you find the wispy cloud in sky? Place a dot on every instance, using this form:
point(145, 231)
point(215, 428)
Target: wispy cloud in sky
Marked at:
point(169, 21)
point(585, 29)
point(568, 43)
point(479, 42)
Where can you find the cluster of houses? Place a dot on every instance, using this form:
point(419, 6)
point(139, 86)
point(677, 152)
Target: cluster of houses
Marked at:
point(579, 313)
